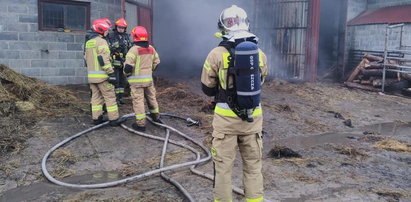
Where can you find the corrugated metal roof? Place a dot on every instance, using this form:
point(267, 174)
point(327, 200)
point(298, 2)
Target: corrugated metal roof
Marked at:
point(387, 15)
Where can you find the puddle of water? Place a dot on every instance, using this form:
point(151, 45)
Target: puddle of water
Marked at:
point(298, 142)
point(37, 190)
point(390, 129)
point(346, 138)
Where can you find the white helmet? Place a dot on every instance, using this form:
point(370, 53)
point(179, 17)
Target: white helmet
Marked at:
point(233, 18)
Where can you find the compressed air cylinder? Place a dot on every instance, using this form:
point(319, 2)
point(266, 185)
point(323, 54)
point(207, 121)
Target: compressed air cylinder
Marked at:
point(247, 75)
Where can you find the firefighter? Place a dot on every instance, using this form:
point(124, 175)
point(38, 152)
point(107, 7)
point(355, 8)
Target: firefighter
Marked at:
point(101, 74)
point(232, 128)
point(119, 41)
point(141, 60)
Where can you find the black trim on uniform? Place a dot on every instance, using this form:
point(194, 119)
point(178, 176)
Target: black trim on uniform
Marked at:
point(142, 44)
point(209, 91)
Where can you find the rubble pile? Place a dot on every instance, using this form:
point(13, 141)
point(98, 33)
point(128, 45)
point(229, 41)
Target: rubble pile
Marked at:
point(369, 73)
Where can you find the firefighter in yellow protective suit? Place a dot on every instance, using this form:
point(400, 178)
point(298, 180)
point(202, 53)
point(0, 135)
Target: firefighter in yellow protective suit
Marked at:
point(141, 60)
point(230, 131)
point(100, 74)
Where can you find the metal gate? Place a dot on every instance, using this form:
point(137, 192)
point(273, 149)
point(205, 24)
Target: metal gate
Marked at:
point(283, 25)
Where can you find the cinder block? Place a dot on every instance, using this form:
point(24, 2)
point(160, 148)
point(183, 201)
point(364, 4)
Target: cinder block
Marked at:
point(4, 45)
point(67, 55)
point(80, 55)
point(4, 62)
point(40, 63)
point(67, 72)
point(28, 18)
point(28, 37)
point(81, 72)
point(55, 63)
point(32, 72)
point(17, 8)
point(11, 36)
point(19, 45)
point(33, 27)
point(49, 55)
point(52, 37)
point(80, 39)
point(49, 71)
point(77, 80)
point(74, 47)
point(65, 38)
point(9, 55)
point(57, 46)
point(30, 54)
point(74, 63)
point(21, 64)
point(58, 80)
point(32, 9)
point(22, 27)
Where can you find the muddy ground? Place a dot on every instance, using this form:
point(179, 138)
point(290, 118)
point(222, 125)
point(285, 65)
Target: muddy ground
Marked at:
point(322, 142)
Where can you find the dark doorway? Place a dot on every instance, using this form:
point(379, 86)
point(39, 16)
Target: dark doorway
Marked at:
point(331, 40)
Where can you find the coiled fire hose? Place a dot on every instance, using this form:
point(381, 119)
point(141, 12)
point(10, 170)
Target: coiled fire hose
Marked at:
point(160, 170)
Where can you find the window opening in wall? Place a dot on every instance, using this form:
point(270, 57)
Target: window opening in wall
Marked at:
point(61, 15)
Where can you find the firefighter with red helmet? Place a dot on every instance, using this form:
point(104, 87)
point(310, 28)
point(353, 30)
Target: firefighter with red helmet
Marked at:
point(100, 74)
point(119, 41)
point(233, 72)
point(141, 60)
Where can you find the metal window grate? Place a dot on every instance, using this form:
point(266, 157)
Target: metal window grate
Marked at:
point(57, 14)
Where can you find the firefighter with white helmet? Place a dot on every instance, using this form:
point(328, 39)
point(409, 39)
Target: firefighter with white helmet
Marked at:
point(100, 74)
point(141, 60)
point(234, 72)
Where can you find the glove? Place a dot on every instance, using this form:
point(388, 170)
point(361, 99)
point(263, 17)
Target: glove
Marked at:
point(128, 69)
point(112, 78)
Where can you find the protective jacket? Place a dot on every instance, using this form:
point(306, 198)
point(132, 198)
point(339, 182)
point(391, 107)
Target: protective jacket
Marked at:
point(214, 83)
point(144, 60)
point(119, 46)
point(97, 56)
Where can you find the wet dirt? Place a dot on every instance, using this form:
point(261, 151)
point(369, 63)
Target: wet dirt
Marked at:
point(337, 163)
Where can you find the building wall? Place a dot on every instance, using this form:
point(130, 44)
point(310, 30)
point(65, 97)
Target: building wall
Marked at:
point(54, 57)
point(386, 3)
point(372, 37)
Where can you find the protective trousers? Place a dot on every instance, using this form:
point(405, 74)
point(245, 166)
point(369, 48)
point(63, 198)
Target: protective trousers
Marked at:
point(103, 93)
point(120, 81)
point(139, 94)
point(224, 149)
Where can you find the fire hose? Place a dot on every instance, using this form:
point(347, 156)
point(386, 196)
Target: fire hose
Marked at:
point(160, 170)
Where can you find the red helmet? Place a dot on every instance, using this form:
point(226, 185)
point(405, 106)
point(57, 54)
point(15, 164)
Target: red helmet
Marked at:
point(107, 21)
point(121, 23)
point(139, 33)
point(100, 26)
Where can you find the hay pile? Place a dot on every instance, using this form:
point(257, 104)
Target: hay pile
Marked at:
point(24, 101)
point(393, 145)
point(47, 99)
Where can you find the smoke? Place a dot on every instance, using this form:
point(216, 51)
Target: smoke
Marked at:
point(184, 33)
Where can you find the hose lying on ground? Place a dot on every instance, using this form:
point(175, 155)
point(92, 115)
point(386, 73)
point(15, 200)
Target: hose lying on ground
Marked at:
point(160, 170)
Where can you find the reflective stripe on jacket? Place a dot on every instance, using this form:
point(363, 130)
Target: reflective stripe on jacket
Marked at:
point(144, 61)
point(94, 48)
point(214, 74)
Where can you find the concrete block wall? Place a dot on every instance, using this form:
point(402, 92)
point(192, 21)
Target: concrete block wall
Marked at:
point(372, 37)
point(54, 57)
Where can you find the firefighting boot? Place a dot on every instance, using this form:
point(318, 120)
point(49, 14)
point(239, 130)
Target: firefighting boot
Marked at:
point(155, 117)
point(138, 128)
point(100, 120)
point(119, 100)
point(117, 122)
